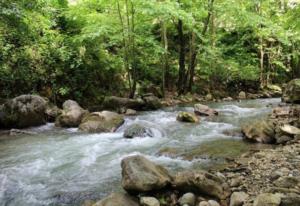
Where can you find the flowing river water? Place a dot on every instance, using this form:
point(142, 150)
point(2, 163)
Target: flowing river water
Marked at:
point(64, 166)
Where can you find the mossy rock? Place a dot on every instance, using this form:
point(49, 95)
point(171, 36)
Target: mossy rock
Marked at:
point(187, 117)
point(291, 93)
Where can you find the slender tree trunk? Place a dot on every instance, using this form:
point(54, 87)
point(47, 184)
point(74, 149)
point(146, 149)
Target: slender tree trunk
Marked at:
point(133, 49)
point(181, 74)
point(262, 53)
point(192, 65)
point(165, 64)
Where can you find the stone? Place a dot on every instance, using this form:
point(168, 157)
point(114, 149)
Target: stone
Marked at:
point(71, 116)
point(104, 121)
point(187, 117)
point(130, 112)
point(151, 102)
point(235, 182)
point(200, 182)
point(267, 199)
point(116, 103)
point(204, 203)
point(242, 95)
point(118, 199)
point(204, 110)
point(138, 130)
point(23, 111)
point(141, 175)
point(291, 93)
point(213, 203)
point(52, 112)
point(261, 131)
point(287, 182)
point(227, 99)
point(290, 199)
point(289, 129)
point(238, 198)
point(149, 201)
point(188, 199)
point(209, 97)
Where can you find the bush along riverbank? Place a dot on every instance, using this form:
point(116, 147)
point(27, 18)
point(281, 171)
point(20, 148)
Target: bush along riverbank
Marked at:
point(267, 177)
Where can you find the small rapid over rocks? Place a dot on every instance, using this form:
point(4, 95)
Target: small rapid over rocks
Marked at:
point(59, 166)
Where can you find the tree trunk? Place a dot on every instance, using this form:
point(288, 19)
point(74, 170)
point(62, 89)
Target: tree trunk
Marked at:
point(181, 74)
point(165, 61)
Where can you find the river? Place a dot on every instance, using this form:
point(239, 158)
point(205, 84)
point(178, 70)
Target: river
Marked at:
point(64, 166)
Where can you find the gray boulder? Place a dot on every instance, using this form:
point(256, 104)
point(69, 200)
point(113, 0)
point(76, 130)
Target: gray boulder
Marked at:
point(104, 121)
point(141, 175)
point(238, 198)
point(291, 92)
point(201, 182)
point(151, 102)
point(138, 130)
point(260, 131)
point(116, 103)
point(204, 110)
point(23, 111)
point(71, 116)
point(188, 199)
point(267, 199)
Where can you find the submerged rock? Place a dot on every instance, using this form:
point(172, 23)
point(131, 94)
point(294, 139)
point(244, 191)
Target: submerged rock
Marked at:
point(137, 130)
point(104, 121)
point(141, 175)
point(187, 117)
point(71, 116)
point(118, 199)
point(23, 111)
point(200, 182)
point(260, 131)
point(291, 93)
point(204, 110)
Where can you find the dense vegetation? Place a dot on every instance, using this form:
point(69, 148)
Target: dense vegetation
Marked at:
point(92, 48)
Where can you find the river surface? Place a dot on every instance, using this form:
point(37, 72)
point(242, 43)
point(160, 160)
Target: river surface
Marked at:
point(64, 166)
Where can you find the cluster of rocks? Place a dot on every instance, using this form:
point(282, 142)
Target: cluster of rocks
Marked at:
point(149, 184)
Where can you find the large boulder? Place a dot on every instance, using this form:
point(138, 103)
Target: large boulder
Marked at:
point(23, 111)
point(118, 199)
point(187, 117)
point(291, 92)
point(151, 102)
point(141, 175)
point(262, 131)
point(117, 103)
point(201, 182)
point(204, 110)
point(138, 130)
point(71, 116)
point(104, 121)
point(267, 199)
point(52, 112)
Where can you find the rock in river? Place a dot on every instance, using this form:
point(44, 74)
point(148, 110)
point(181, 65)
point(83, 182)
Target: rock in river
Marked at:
point(71, 116)
point(104, 121)
point(187, 117)
point(138, 130)
point(118, 199)
point(260, 131)
point(141, 175)
point(23, 111)
point(204, 110)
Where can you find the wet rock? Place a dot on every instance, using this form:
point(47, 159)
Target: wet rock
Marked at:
point(291, 93)
point(200, 182)
point(169, 152)
point(71, 116)
point(204, 110)
point(138, 130)
point(104, 121)
point(117, 199)
point(188, 199)
point(187, 117)
point(227, 99)
point(52, 112)
point(242, 95)
point(149, 201)
point(14, 132)
point(238, 198)
point(260, 131)
point(23, 111)
point(209, 97)
point(267, 199)
point(141, 175)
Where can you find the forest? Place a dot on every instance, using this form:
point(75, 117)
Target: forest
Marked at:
point(88, 49)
